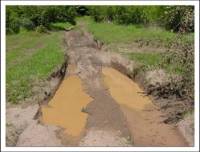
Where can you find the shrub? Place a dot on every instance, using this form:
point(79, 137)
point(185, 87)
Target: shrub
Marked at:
point(178, 18)
point(33, 16)
point(82, 10)
point(183, 57)
point(175, 18)
point(41, 29)
point(27, 24)
point(15, 25)
point(121, 15)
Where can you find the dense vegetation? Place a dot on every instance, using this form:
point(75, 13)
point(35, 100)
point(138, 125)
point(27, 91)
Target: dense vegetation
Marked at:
point(168, 26)
point(37, 17)
point(176, 18)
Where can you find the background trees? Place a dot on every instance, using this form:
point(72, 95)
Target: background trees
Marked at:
point(30, 17)
point(175, 18)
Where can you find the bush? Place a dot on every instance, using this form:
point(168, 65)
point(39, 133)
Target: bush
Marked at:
point(178, 18)
point(121, 15)
point(132, 15)
point(183, 57)
point(14, 25)
point(175, 18)
point(30, 17)
point(82, 10)
point(27, 24)
point(41, 29)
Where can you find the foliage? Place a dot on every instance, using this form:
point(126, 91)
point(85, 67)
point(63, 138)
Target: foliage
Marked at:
point(12, 22)
point(15, 25)
point(183, 58)
point(41, 29)
point(121, 15)
point(178, 18)
point(82, 10)
point(30, 17)
point(27, 24)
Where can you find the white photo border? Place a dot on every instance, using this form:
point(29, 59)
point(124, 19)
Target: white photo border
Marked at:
point(3, 76)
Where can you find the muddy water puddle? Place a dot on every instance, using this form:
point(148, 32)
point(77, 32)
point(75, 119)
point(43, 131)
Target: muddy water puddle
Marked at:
point(144, 120)
point(65, 108)
point(124, 90)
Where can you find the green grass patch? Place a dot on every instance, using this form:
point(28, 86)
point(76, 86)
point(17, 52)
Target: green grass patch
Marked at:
point(154, 60)
point(61, 26)
point(147, 59)
point(114, 33)
point(30, 56)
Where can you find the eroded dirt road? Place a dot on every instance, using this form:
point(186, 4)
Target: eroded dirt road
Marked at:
point(97, 105)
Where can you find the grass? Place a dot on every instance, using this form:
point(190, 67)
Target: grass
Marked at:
point(114, 33)
point(154, 60)
point(61, 25)
point(30, 56)
point(147, 59)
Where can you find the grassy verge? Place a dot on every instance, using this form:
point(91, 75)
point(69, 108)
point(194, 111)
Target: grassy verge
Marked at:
point(113, 33)
point(30, 56)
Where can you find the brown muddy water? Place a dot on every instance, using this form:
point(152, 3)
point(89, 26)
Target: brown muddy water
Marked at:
point(144, 120)
point(124, 90)
point(65, 108)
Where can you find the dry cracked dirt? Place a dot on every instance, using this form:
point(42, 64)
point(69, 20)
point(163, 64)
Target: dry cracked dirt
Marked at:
point(95, 105)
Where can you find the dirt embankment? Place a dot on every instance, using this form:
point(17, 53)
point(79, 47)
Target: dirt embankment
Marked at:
point(110, 122)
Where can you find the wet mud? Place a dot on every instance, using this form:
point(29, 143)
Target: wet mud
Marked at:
point(144, 119)
point(66, 108)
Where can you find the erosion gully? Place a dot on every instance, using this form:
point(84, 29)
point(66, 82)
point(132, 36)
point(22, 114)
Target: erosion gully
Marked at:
point(96, 105)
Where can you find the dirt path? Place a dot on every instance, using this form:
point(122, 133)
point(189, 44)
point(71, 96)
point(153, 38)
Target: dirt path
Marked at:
point(106, 124)
point(110, 111)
